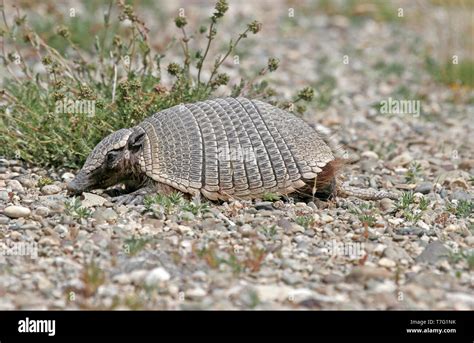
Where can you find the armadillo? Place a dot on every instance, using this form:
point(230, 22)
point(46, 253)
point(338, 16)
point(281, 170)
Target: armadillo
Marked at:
point(222, 149)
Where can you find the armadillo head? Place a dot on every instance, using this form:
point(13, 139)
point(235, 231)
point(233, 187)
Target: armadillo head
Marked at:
point(112, 161)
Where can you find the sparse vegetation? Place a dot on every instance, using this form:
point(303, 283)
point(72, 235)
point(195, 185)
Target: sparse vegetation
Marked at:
point(91, 87)
point(466, 255)
point(410, 209)
point(44, 181)
point(134, 245)
point(75, 209)
point(92, 277)
point(461, 209)
point(196, 208)
point(389, 68)
point(167, 204)
point(251, 259)
point(305, 221)
point(365, 213)
point(414, 172)
point(270, 197)
point(461, 74)
point(269, 231)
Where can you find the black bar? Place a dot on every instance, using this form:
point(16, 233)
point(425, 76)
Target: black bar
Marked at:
point(241, 323)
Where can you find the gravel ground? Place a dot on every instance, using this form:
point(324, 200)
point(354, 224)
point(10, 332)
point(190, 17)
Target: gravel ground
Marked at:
point(341, 254)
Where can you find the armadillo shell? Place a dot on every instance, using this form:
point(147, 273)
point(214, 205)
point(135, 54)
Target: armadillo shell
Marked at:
point(231, 148)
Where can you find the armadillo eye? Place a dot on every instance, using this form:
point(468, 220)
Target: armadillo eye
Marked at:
point(111, 156)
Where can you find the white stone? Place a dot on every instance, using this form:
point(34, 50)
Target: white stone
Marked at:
point(15, 185)
point(16, 211)
point(157, 275)
point(386, 262)
point(196, 293)
point(92, 200)
point(50, 189)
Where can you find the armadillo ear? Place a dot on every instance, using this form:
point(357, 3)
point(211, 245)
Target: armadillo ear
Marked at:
point(135, 141)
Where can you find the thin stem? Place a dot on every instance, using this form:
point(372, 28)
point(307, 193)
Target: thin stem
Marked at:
point(249, 84)
point(106, 28)
point(187, 56)
point(210, 38)
point(229, 51)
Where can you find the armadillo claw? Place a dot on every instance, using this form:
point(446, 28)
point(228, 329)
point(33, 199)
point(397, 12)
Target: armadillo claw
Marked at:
point(129, 199)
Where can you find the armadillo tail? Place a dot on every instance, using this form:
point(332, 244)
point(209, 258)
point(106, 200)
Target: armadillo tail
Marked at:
point(365, 194)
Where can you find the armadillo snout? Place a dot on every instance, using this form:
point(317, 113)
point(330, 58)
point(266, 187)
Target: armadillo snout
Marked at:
point(78, 185)
point(73, 188)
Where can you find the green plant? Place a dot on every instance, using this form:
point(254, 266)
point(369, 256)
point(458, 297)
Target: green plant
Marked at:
point(462, 209)
point(424, 203)
point(254, 299)
point(411, 210)
point(365, 213)
point(134, 245)
point(467, 255)
point(172, 203)
point(450, 73)
point(74, 208)
point(390, 68)
point(168, 202)
point(413, 173)
point(234, 263)
point(405, 200)
point(94, 84)
point(92, 277)
point(305, 221)
point(367, 220)
point(270, 197)
point(44, 181)
point(269, 231)
point(195, 207)
point(208, 253)
point(253, 258)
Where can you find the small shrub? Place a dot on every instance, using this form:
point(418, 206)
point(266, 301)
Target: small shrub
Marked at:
point(411, 210)
point(450, 73)
point(365, 213)
point(305, 221)
point(270, 197)
point(44, 181)
point(413, 173)
point(75, 209)
point(134, 245)
point(463, 208)
point(92, 277)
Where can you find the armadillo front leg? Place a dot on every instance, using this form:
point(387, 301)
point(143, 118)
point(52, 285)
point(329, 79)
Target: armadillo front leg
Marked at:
point(136, 197)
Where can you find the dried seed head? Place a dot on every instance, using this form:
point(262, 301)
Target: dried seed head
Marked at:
point(174, 69)
point(221, 79)
point(180, 21)
point(221, 7)
point(273, 63)
point(255, 27)
point(306, 94)
point(47, 60)
point(64, 32)
point(117, 41)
